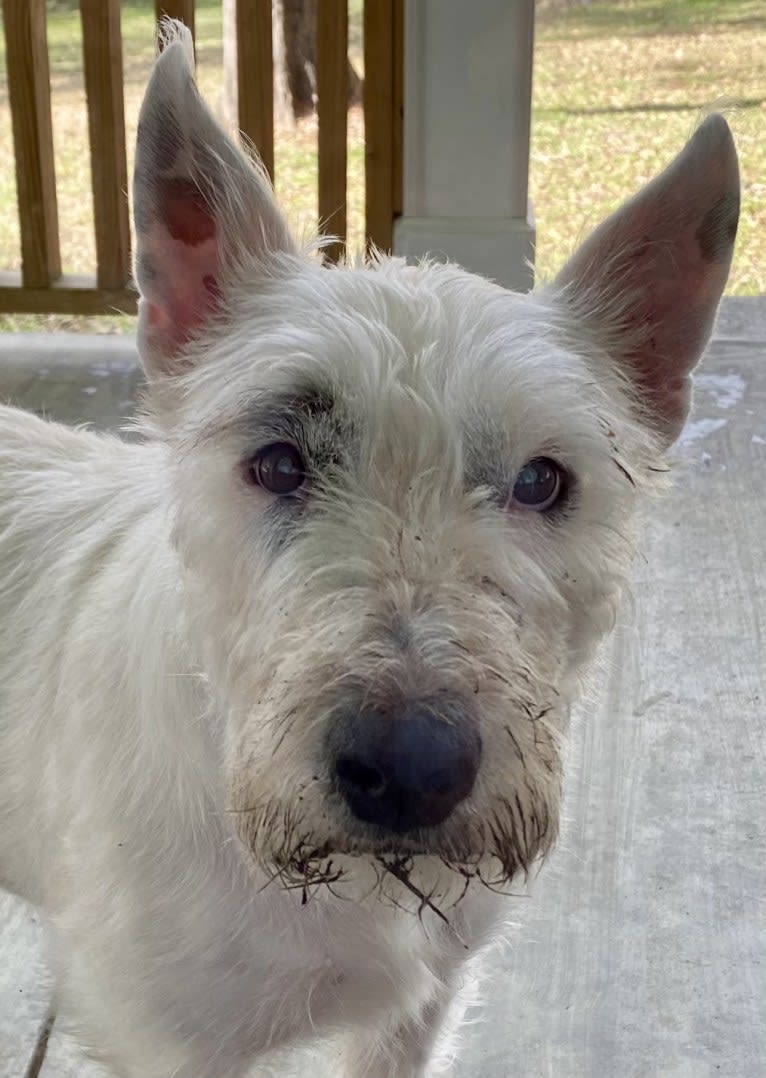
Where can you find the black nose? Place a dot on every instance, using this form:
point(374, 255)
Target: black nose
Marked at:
point(408, 770)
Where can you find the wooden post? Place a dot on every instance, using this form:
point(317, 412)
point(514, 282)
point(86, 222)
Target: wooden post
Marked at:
point(176, 9)
point(332, 92)
point(397, 134)
point(102, 55)
point(30, 101)
point(382, 118)
point(255, 77)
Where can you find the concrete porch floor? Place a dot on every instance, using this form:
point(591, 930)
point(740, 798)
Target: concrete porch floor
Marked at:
point(642, 949)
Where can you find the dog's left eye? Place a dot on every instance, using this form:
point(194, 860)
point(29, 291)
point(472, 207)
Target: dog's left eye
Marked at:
point(539, 485)
point(277, 468)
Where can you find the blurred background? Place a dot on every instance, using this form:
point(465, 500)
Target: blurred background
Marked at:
point(618, 87)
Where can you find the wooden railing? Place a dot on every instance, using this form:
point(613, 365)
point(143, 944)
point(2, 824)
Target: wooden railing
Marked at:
point(41, 287)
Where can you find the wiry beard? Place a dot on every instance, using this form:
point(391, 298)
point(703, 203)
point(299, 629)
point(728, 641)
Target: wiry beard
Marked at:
point(411, 871)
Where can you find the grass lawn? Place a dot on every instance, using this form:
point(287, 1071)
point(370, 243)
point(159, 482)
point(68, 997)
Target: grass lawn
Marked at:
point(619, 86)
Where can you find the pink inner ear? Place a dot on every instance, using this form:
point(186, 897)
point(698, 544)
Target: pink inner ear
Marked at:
point(186, 214)
point(181, 251)
point(681, 293)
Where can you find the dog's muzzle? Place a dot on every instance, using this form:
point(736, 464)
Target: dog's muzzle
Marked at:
point(408, 769)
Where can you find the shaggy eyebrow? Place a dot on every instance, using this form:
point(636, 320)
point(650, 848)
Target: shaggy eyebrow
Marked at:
point(275, 416)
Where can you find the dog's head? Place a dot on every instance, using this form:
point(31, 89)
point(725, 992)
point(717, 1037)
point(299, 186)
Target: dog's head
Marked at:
point(403, 495)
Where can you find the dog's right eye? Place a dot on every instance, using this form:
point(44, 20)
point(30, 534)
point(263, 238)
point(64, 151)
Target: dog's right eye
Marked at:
point(277, 468)
point(539, 486)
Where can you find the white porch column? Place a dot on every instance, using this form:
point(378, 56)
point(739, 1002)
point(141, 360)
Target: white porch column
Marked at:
point(467, 101)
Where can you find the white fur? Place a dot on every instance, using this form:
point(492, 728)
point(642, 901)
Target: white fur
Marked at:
point(174, 651)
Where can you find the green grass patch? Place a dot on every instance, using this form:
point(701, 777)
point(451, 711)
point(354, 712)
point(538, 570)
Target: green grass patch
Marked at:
point(632, 18)
point(619, 88)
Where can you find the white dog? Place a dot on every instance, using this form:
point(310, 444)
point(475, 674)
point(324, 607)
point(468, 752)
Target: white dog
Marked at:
point(284, 688)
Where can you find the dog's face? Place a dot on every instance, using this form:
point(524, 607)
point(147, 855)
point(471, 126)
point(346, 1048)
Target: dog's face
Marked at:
point(403, 508)
point(403, 495)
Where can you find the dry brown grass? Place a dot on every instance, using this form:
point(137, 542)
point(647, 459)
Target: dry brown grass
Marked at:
point(618, 88)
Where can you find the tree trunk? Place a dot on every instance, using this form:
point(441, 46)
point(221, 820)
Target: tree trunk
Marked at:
point(294, 46)
point(299, 19)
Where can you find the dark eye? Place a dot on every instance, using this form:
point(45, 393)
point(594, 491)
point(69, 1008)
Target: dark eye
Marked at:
point(277, 468)
point(539, 485)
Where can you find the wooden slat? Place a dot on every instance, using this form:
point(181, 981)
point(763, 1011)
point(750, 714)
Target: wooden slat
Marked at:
point(30, 101)
point(102, 53)
point(70, 294)
point(176, 9)
point(332, 91)
point(397, 120)
point(255, 77)
point(382, 102)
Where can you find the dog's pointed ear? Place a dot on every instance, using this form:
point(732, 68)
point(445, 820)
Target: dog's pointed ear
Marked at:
point(648, 281)
point(203, 210)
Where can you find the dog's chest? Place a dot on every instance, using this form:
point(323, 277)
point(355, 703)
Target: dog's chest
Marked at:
point(338, 968)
